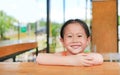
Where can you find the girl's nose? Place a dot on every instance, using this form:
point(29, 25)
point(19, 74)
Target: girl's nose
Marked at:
point(75, 39)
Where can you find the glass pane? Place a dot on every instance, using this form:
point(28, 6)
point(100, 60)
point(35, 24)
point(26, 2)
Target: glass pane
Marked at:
point(56, 17)
point(23, 21)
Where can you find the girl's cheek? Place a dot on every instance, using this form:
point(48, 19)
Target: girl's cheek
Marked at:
point(68, 41)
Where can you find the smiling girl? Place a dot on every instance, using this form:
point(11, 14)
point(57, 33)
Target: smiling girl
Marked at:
point(75, 37)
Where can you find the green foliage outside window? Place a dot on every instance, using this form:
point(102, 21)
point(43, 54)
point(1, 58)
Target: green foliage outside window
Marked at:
point(55, 30)
point(6, 22)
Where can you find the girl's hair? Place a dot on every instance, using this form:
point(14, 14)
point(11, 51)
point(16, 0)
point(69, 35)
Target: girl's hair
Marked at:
point(82, 23)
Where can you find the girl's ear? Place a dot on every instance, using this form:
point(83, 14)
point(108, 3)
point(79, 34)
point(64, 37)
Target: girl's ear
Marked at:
point(88, 40)
point(62, 41)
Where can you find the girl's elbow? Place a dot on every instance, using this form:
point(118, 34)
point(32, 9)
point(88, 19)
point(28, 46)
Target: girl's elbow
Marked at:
point(100, 59)
point(37, 60)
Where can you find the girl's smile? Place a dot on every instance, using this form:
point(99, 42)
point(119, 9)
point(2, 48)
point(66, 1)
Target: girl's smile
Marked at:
point(75, 46)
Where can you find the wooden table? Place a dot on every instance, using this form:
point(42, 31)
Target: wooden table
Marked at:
point(11, 50)
point(30, 68)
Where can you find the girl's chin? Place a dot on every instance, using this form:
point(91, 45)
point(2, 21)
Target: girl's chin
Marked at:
point(76, 52)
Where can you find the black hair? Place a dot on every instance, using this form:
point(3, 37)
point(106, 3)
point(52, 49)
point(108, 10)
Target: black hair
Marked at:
point(82, 23)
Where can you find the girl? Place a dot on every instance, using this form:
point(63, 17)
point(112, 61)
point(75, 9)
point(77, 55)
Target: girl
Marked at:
point(75, 37)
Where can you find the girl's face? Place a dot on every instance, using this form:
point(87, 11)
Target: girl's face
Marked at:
point(75, 39)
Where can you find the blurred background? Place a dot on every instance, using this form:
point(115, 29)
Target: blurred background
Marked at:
point(41, 20)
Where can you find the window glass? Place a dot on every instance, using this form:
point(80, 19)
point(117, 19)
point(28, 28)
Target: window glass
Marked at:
point(23, 21)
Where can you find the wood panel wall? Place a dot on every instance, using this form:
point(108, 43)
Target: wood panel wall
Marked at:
point(104, 26)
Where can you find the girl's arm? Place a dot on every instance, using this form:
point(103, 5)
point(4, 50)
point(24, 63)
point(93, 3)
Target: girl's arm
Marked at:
point(73, 60)
point(52, 59)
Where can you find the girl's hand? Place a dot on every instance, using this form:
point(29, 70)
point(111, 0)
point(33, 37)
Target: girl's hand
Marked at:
point(83, 59)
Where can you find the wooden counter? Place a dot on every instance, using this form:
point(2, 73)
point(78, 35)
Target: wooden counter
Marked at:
point(10, 51)
point(30, 68)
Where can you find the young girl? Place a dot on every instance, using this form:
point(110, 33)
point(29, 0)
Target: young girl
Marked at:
point(75, 37)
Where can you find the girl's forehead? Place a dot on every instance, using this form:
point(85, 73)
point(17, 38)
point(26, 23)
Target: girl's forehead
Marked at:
point(74, 26)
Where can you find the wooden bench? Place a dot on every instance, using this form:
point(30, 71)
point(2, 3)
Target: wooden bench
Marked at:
point(11, 51)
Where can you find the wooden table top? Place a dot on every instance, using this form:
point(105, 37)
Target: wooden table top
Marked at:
point(30, 68)
point(14, 48)
point(11, 50)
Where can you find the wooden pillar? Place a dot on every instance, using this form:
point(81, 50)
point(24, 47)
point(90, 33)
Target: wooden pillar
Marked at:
point(104, 26)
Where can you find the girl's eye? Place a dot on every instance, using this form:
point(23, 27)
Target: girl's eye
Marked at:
point(79, 35)
point(69, 36)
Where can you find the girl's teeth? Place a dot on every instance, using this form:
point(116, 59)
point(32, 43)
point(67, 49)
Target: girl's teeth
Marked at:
point(75, 47)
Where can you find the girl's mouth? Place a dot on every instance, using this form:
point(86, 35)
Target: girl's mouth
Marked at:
point(75, 46)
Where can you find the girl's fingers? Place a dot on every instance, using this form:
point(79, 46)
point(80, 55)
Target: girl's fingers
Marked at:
point(87, 64)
